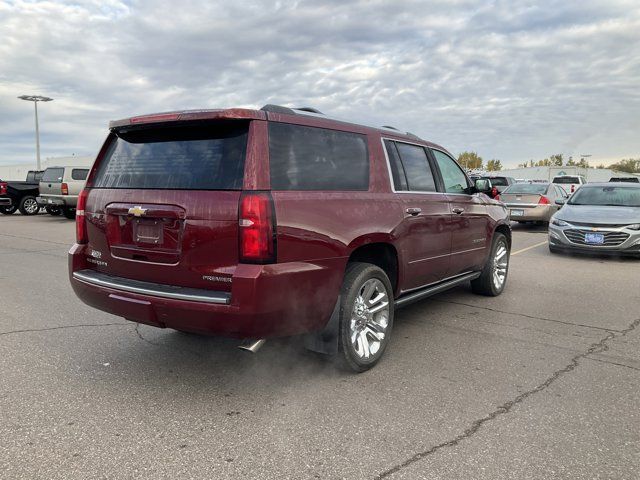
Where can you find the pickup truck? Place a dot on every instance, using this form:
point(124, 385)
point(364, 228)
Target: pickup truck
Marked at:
point(59, 189)
point(18, 195)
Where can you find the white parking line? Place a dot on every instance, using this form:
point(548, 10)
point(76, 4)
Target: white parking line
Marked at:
point(529, 248)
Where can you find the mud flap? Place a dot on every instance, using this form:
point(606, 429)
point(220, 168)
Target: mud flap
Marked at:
point(326, 340)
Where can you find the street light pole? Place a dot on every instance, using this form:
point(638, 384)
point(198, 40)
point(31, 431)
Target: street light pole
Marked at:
point(35, 99)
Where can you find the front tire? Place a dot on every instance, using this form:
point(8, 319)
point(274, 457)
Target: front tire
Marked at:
point(8, 210)
point(29, 206)
point(51, 210)
point(493, 278)
point(366, 316)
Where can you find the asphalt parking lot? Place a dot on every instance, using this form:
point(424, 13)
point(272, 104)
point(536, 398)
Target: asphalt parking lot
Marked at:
point(541, 382)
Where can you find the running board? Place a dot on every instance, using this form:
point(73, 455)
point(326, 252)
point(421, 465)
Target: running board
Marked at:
point(432, 290)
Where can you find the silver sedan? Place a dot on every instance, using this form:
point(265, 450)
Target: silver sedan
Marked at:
point(600, 218)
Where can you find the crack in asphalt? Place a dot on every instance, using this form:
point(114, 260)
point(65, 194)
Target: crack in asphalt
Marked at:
point(506, 407)
point(63, 327)
point(613, 363)
point(533, 317)
point(137, 330)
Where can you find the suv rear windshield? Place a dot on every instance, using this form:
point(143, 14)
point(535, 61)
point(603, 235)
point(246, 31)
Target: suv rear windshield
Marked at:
point(190, 157)
point(566, 180)
point(53, 175)
point(497, 181)
point(311, 158)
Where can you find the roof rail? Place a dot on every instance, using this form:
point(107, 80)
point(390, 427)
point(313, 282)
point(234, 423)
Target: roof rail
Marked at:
point(390, 127)
point(277, 109)
point(411, 135)
point(310, 110)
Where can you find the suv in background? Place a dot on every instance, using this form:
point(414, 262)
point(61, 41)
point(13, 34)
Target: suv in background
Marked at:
point(570, 183)
point(498, 184)
point(59, 189)
point(280, 222)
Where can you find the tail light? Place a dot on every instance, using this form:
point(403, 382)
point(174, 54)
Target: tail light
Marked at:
point(573, 188)
point(543, 200)
point(494, 192)
point(3, 188)
point(65, 189)
point(81, 220)
point(256, 220)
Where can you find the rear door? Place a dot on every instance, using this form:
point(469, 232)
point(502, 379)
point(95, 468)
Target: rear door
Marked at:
point(470, 222)
point(163, 204)
point(51, 182)
point(425, 228)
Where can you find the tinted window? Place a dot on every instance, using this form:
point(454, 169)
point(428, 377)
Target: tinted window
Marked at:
point(53, 175)
point(309, 158)
point(416, 167)
point(79, 173)
point(609, 195)
point(525, 188)
point(455, 181)
point(207, 157)
point(566, 180)
point(397, 170)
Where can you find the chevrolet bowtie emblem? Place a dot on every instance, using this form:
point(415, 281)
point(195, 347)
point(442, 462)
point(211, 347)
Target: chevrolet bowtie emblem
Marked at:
point(137, 211)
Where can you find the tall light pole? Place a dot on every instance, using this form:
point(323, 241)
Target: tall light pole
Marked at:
point(35, 99)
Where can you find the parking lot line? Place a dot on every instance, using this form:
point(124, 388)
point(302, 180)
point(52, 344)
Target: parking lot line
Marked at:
point(528, 248)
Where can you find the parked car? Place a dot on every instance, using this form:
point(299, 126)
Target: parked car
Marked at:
point(59, 189)
point(625, 179)
point(18, 195)
point(532, 202)
point(279, 222)
point(500, 182)
point(601, 218)
point(570, 183)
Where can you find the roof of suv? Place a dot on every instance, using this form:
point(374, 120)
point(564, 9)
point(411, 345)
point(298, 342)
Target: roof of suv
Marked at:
point(268, 112)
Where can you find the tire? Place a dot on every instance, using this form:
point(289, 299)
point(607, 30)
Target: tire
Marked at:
point(364, 336)
point(553, 249)
point(29, 206)
point(69, 213)
point(493, 278)
point(8, 210)
point(53, 210)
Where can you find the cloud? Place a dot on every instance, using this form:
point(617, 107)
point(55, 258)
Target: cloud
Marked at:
point(508, 79)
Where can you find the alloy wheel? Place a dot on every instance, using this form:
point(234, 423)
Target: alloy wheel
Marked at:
point(369, 319)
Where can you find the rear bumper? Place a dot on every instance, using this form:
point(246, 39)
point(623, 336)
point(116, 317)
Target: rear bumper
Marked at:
point(540, 213)
point(58, 200)
point(265, 300)
point(5, 202)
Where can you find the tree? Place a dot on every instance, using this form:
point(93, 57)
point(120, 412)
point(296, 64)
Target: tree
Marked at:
point(583, 163)
point(556, 160)
point(470, 160)
point(571, 162)
point(494, 165)
point(601, 167)
point(628, 165)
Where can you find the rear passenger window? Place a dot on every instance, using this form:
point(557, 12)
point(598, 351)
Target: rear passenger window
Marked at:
point(310, 158)
point(79, 173)
point(410, 167)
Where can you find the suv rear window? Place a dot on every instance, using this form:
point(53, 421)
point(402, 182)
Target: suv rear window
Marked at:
point(566, 180)
point(79, 173)
point(53, 175)
point(203, 157)
point(497, 181)
point(311, 158)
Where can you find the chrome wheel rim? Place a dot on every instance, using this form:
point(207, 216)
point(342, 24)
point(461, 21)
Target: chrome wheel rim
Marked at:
point(500, 265)
point(30, 206)
point(369, 319)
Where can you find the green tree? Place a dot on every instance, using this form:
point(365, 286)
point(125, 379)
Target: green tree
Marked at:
point(583, 163)
point(556, 160)
point(601, 167)
point(629, 165)
point(470, 160)
point(494, 165)
point(571, 162)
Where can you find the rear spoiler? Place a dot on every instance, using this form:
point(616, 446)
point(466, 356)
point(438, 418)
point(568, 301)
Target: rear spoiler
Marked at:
point(189, 115)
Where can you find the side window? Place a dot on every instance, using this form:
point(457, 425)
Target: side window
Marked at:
point(79, 173)
point(455, 181)
point(410, 167)
point(311, 158)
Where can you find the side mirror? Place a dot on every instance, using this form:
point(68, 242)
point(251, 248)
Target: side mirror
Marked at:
point(483, 185)
point(561, 201)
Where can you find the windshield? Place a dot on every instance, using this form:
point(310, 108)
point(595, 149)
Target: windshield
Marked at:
point(607, 196)
point(566, 180)
point(528, 188)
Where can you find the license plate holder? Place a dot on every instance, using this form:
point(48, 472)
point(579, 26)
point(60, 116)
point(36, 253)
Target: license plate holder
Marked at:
point(594, 238)
point(148, 232)
point(517, 213)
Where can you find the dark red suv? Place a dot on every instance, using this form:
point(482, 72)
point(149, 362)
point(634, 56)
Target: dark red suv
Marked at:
point(279, 222)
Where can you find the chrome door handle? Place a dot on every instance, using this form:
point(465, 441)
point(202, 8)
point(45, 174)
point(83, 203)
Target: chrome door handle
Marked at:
point(414, 210)
point(457, 210)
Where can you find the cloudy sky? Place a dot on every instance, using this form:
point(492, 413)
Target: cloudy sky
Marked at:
point(511, 80)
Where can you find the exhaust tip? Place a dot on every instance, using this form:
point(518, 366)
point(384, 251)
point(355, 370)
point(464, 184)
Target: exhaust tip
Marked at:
point(252, 345)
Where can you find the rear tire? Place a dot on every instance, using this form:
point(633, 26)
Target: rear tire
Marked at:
point(69, 213)
point(493, 278)
point(8, 210)
point(53, 210)
point(29, 206)
point(366, 316)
